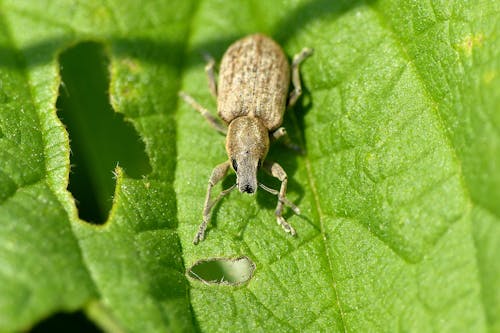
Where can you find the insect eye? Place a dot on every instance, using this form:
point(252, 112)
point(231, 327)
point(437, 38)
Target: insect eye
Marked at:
point(235, 164)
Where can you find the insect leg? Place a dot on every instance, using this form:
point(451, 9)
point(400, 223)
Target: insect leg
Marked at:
point(277, 134)
point(282, 133)
point(209, 69)
point(297, 87)
point(275, 170)
point(287, 202)
point(214, 122)
point(218, 173)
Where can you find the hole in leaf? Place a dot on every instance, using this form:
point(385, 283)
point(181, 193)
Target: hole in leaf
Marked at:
point(226, 271)
point(100, 138)
point(66, 322)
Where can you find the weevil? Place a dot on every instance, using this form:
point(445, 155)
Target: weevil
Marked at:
point(252, 96)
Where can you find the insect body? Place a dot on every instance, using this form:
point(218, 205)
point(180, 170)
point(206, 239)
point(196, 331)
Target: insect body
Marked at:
point(252, 96)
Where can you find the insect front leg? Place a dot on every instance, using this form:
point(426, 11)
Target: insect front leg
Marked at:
point(218, 173)
point(275, 170)
point(214, 122)
point(297, 87)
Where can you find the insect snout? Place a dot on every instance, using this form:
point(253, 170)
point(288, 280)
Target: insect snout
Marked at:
point(246, 184)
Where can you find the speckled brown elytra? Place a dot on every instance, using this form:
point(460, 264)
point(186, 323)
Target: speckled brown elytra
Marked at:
point(254, 79)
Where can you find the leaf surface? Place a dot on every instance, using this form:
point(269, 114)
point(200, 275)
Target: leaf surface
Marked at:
point(399, 189)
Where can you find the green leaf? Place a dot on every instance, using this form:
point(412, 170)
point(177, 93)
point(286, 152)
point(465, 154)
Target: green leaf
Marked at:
point(399, 189)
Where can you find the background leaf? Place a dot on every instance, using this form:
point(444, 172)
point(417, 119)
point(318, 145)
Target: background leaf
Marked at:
point(399, 190)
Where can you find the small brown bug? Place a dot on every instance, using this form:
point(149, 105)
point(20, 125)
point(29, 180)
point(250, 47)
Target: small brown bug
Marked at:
point(254, 79)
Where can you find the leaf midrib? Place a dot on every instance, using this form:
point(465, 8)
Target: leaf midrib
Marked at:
point(315, 195)
point(441, 127)
point(399, 42)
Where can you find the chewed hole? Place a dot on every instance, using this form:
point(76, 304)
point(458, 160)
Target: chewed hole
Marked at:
point(225, 271)
point(100, 138)
point(66, 322)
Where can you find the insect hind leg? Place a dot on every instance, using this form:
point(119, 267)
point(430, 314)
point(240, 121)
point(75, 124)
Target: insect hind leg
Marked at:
point(210, 71)
point(295, 68)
